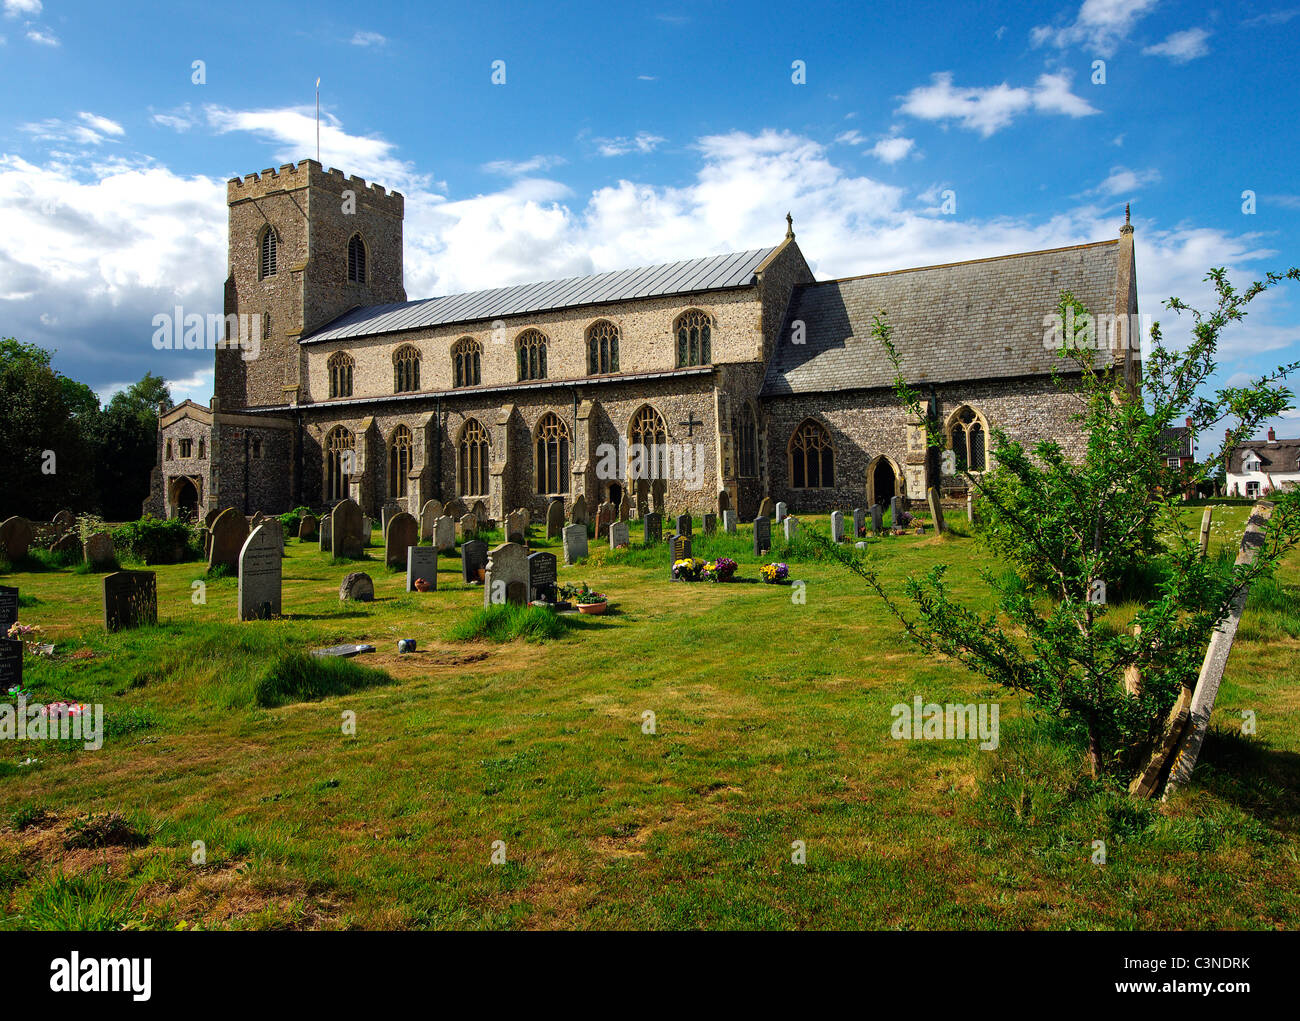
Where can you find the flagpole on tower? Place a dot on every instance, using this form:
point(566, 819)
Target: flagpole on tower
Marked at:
point(317, 120)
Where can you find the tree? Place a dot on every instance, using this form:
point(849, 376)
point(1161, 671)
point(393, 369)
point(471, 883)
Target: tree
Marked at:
point(1076, 533)
point(125, 438)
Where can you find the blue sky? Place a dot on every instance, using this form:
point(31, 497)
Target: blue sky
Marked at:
point(627, 135)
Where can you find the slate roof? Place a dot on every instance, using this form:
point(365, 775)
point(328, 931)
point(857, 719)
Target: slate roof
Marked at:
point(691, 276)
point(964, 321)
point(1280, 457)
point(1176, 441)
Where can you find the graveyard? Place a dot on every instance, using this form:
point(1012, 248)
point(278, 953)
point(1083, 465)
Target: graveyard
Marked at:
point(650, 766)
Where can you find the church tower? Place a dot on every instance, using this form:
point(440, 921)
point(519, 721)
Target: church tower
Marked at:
point(305, 246)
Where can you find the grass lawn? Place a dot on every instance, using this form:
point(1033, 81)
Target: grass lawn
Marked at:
point(772, 726)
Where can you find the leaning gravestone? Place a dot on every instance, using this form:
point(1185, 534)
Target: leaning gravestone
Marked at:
point(346, 530)
point(64, 521)
point(444, 534)
point(130, 599)
point(307, 526)
point(579, 515)
point(762, 535)
point(228, 534)
point(8, 608)
point(211, 516)
point(68, 542)
point(99, 550)
point(625, 508)
point(729, 522)
point(15, 538)
point(326, 531)
point(541, 577)
point(684, 524)
point(653, 524)
point(260, 575)
point(506, 577)
point(877, 519)
point(402, 532)
point(618, 535)
point(837, 526)
point(575, 543)
point(421, 564)
point(11, 664)
point(710, 524)
point(357, 587)
point(480, 510)
point(554, 519)
point(936, 509)
point(473, 558)
point(429, 513)
point(782, 511)
point(765, 508)
point(679, 548)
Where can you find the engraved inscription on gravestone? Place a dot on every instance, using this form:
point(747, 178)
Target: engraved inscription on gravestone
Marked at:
point(130, 599)
point(541, 577)
point(8, 608)
point(11, 665)
point(762, 535)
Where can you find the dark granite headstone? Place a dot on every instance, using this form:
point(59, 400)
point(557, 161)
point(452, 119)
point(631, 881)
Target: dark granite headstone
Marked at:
point(654, 529)
point(11, 665)
point(710, 524)
point(762, 535)
point(541, 577)
point(473, 558)
point(8, 608)
point(130, 599)
point(679, 548)
point(683, 524)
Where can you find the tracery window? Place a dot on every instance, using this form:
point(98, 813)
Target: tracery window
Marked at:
point(531, 348)
point(552, 455)
point(602, 348)
point(812, 458)
point(694, 332)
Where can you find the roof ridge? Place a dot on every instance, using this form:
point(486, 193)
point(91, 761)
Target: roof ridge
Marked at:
point(962, 262)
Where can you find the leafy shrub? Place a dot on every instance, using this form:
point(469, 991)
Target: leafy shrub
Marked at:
point(299, 677)
point(291, 520)
point(155, 541)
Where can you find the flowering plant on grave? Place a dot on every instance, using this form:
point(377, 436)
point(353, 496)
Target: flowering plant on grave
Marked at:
point(29, 635)
point(582, 594)
point(720, 570)
point(773, 574)
point(688, 569)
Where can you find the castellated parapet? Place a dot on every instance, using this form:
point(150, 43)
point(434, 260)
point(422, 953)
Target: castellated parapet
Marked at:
point(308, 173)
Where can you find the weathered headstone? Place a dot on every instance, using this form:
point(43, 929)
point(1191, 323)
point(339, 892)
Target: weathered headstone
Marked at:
point(326, 531)
point(970, 516)
point(724, 501)
point(642, 491)
point(473, 558)
point(554, 519)
point(604, 518)
point(357, 587)
point(791, 526)
point(368, 531)
point(710, 524)
point(421, 565)
point(659, 495)
point(467, 526)
point(579, 514)
point(15, 538)
point(403, 531)
point(480, 510)
point(131, 599)
point(11, 665)
point(765, 508)
point(455, 508)
point(684, 524)
point(679, 548)
point(8, 608)
point(625, 508)
point(859, 521)
point(618, 535)
point(506, 577)
point(729, 522)
point(429, 513)
point(653, 524)
point(99, 550)
point(64, 521)
point(877, 519)
point(68, 542)
point(346, 525)
point(228, 534)
point(575, 543)
point(516, 527)
point(386, 514)
point(837, 526)
point(936, 509)
point(444, 534)
point(259, 575)
point(762, 535)
point(211, 516)
point(782, 511)
point(541, 577)
point(895, 512)
point(307, 527)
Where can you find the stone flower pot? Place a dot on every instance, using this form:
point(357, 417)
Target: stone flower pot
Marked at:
point(596, 608)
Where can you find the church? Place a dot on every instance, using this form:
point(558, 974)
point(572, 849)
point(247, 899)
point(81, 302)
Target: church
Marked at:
point(765, 381)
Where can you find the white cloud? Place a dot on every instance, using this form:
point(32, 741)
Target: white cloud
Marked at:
point(643, 142)
point(1099, 27)
point(22, 8)
point(1180, 47)
point(101, 124)
point(517, 168)
point(360, 38)
point(182, 118)
point(647, 77)
point(892, 149)
point(88, 129)
point(854, 137)
point(1124, 181)
point(988, 110)
point(42, 38)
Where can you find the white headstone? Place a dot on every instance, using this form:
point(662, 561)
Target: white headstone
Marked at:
point(782, 511)
point(837, 526)
point(618, 534)
point(729, 521)
point(444, 534)
point(259, 575)
point(791, 526)
point(575, 543)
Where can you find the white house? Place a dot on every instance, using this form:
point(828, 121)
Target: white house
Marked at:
point(1257, 467)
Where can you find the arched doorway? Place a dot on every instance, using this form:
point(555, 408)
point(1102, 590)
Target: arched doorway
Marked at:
point(615, 493)
point(185, 499)
point(882, 481)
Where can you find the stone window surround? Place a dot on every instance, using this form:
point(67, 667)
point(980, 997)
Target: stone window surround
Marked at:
point(790, 454)
point(982, 422)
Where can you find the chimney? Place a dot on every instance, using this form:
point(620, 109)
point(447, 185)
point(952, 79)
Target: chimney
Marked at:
point(1272, 435)
point(1189, 423)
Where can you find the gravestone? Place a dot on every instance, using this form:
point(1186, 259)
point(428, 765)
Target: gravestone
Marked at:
point(386, 514)
point(403, 531)
point(936, 509)
point(421, 564)
point(256, 520)
point(554, 519)
point(444, 534)
point(15, 538)
point(859, 521)
point(479, 510)
point(131, 599)
point(541, 577)
point(506, 578)
point(684, 524)
point(625, 508)
point(654, 528)
point(679, 548)
point(837, 526)
point(618, 535)
point(729, 522)
point(326, 530)
point(642, 497)
point(970, 516)
point(99, 550)
point(368, 531)
point(307, 527)
point(207, 541)
point(877, 519)
point(455, 508)
point(211, 516)
point(64, 521)
point(8, 608)
point(277, 530)
point(762, 535)
point(579, 515)
point(357, 587)
point(895, 512)
point(517, 527)
point(658, 494)
point(429, 513)
point(11, 665)
point(346, 524)
point(710, 524)
point(575, 543)
point(724, 501)
point(604, 518)
point(68, 542)
point(259, 575)
point(473, 558)
point(782, 511)
point(228, 534)
point(467, 526)
point(791, 526)
point(765, 508)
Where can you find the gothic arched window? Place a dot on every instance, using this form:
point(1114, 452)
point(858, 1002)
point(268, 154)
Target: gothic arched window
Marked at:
point(472, 460)
point(406, 369)
point(744, 431)
point(967, 438)
point(694, 332)
point(466, 362)
point(269, 245)
point(812, 459)
point(340, 365)
point(356, 260)
point(340, 462)
point(602, 348)
point(552, 455)
point(647, 445)
point(399, 461)
point(531, 347)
